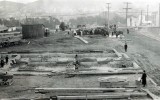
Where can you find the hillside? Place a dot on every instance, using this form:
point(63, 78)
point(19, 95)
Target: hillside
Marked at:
point(49, 8)
point(9, 9)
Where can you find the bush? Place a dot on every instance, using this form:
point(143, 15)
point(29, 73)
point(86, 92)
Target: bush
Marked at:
point(62, 26)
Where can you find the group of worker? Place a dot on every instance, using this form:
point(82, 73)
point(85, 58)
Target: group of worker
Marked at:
point(4, 61)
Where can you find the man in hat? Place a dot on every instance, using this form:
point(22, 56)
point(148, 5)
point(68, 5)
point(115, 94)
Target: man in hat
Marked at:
point(6, 58)
point(143, 78)
point(125, 47)
point(2, 63)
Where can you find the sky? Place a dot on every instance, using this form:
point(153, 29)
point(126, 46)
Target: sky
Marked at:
point(21, 1)
point(115, 4)
point(134, 1)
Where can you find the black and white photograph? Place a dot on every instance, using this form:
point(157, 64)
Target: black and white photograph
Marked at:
point(79, 49)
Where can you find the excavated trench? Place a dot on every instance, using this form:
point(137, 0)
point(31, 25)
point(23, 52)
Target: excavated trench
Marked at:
point(98, 70)
point(90, 61)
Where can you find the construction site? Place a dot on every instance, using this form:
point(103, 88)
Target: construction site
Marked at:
point(117, 61)
point(44, 69)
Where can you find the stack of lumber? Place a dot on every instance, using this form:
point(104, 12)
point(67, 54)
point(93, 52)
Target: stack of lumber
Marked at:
point(112, 82)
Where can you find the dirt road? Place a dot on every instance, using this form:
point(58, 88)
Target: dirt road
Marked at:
point(145, 51)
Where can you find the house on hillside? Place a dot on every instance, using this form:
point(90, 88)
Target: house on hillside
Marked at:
point(30, 31)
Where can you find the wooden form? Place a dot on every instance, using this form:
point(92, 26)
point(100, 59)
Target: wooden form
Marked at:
point(106, 73)
point(131, 94)
point(92, 97)
point(79, 90)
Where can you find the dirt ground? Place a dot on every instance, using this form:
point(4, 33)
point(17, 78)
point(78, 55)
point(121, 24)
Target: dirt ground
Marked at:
point(25, 84)
point(143, 50)
point(61, 42)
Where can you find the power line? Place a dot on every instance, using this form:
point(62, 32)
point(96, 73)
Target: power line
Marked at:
point(134, 12)
point(82, 14)
point(127, 8)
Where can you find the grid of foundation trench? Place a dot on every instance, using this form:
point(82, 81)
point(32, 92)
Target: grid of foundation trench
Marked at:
point(105, 74)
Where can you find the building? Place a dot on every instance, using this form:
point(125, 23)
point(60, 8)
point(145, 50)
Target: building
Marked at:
point(139, 21)
point(3, 29)
point(133, 22)
point(33, 31)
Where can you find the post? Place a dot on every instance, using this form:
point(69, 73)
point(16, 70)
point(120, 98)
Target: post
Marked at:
point(26, 19)
point(141, 17)
point(86, 97)
point(159, 15)
point(108, 13)
point(127, 8)
point(147, 13)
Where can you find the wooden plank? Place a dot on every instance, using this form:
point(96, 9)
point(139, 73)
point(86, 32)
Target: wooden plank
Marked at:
point(80, 38)
point(93, 97)
point(132, 94)
point(153, 96)
point(43, 90)
point(117, 53)
point(106, 73)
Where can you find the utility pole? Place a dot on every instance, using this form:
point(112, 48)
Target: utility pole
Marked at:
point(108, 12)
point(147, 13)
point(159, 14)
point(26, 20)
point(127, 8)
point(141, 17)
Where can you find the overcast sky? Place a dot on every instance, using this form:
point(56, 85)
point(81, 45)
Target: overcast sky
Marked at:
point(115, 4)
point(21, 1)
point(135, 1)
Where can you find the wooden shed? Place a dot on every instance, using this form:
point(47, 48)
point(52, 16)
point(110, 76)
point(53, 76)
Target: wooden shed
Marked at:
point(33, 31)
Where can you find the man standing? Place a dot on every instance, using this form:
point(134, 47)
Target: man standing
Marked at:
point(125, 47)
point(6, 58)
point(76, 62)
point(143, 78)
point(2, 63)
point(127, 31)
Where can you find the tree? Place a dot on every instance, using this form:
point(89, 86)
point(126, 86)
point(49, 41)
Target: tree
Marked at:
point(62, 26)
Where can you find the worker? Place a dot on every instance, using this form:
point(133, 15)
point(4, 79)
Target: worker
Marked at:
point(76, 57)
point(116, 34)
point(2, 63)
point(127, 31)
point(76, 62)
point(81, 33)
point(143, 78)
point(6, 58)
point(74, 32)
point(125, 47)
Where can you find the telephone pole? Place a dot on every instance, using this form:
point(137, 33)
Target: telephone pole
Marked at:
point(127, 8)
point(108, 7)
point(141, 17)
point(159, 14)
point(147, 13)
